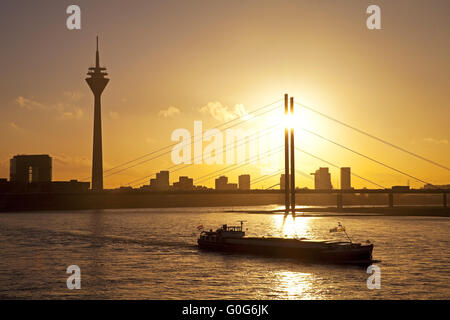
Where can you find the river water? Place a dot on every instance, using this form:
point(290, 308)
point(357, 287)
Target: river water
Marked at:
point(152, 254)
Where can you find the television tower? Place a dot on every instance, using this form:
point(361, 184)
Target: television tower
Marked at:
point(97, 82)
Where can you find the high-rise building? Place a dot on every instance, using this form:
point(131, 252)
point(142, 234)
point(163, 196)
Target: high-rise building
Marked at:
point(244, 182)
point(346, 178)
point(161, 182)
point(322, 179)
point(33, 173)
point(97, 81)
point(30, 168)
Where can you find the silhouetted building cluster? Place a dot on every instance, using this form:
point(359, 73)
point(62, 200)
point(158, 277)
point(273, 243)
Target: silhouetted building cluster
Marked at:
point(222, 184)
point(322, 179)
point(33, 174)
point(184, 184)
point(161, 182)
point(436, 186)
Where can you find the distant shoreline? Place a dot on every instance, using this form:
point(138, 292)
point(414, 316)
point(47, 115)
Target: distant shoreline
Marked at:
point(362, 211)
point(373, 204)
point(403, 211)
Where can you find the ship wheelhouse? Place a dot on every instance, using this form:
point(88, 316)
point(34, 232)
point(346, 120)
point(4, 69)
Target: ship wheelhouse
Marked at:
point(224, 232)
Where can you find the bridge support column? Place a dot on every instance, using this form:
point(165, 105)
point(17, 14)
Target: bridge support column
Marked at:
point(339, 200)
point(444, 200)
point(391, 200)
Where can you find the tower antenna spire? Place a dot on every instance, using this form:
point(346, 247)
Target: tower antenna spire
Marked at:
point(97, 57)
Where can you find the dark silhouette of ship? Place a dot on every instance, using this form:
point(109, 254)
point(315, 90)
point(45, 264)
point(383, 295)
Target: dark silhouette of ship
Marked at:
point(233, 239)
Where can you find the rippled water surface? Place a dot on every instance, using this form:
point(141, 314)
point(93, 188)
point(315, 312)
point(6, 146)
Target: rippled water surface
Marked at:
point(152, 254)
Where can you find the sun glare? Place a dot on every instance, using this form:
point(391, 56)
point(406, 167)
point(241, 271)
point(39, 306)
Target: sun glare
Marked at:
point(290, 227)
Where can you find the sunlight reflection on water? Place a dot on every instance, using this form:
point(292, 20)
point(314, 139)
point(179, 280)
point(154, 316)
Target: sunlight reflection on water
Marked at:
point(152, 254)
point(296, 284)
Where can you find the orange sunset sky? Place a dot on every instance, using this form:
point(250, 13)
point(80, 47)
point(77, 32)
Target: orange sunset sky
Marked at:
point(174, 62)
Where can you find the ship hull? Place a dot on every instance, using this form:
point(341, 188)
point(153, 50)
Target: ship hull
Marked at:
point(291, 248)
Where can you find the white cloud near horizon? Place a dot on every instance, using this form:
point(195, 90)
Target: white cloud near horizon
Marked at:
point(221, 112)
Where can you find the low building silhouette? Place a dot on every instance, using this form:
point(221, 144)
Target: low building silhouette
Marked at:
point(222, 184)
point(436, 186)
point(72, 186)
point(401, 188)
point(184, 184)
point(33, 174)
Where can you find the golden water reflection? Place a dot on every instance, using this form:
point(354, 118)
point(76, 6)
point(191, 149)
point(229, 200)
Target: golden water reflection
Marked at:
point(290, 227)
point(296, 285)
point(291, 284)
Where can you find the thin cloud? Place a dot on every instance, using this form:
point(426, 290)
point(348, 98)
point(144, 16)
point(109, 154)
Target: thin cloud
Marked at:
point(169, 112)
point(66, 109)
point(73, 95)
point(73, 161)
point(15, 126)
point(29, 104)
point(114, 115)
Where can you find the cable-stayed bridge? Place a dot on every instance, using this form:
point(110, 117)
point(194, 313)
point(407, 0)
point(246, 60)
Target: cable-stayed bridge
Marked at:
point(289, 151)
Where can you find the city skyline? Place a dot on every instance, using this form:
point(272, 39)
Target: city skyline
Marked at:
point(35, 172)
point(225, 155)
point(389, 102)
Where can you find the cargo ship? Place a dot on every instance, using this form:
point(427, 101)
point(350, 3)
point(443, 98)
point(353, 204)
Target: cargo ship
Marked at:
point(232, 239)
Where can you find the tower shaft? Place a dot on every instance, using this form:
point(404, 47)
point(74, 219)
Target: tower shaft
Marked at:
point(97, 152)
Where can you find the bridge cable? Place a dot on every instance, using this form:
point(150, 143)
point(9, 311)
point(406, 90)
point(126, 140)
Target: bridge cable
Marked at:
point(269, 130)
point(336, 166)
point(364, 156)
point(374, 137)
point(171, 145)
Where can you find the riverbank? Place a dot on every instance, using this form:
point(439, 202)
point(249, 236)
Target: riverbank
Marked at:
point(362, 211)
point(317, 204)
